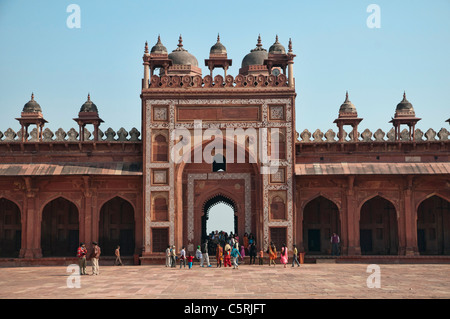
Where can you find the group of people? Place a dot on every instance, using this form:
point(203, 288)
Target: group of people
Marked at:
point(94, 257)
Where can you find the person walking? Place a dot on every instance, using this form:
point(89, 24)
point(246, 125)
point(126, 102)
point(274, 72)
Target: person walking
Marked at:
point(81, 254)
point(198, 254)
point(227, 256)
point(173, 257)
point(235, 254)
point(242, 253)
point(272, 253)
point(190, 259)
point(183, 257)
point(168, 257)
point(295, 257)
point(261, 256)
point(252, 252)
point(118, 259)
point(284, 255)
point(95, 256)
point(335, 240)
point(219, 255)
point(205, 255)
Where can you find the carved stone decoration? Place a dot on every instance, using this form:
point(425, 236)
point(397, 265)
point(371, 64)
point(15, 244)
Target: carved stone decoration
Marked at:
point(87, 134)
point(47, 135)
point(229, 80)
point(134, 134)
point(345, 135)
point(366, 135)
point(352, 138)
point(418, 135)
point(276, 112)
point(34, 135)
point(430, 135)
point(218, 81)
point(330, 135)
point(60, 135)
point(10, 135)
point(100, 134)
point(160, 113)
point(443, 134)
point(19, 135)
point(186, 81)
point(122, 134)
point(72, 135)
point(318, 136)
point(239, 80)
point(305, 136)
point(379, 135)
point(197, 81)
point(110, 133)
point(1, 135)
point(404, 135)
point(208, 81)
point(391, 135)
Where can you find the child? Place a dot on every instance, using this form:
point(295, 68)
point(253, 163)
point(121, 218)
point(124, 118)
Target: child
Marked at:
point(219, 255)
point(190, 259)
point(183, 257)
point(261, 255)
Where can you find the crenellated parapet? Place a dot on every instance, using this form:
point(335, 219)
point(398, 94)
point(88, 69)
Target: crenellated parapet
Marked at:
point(197, 81)
point(368, 137)
point(72, 135)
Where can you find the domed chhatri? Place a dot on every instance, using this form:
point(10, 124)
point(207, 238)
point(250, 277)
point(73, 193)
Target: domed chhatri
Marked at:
point(89, 106)
point(277, 47)
point(158, 48)
point(347, 108)
point(404, 108)
point(218, 48)
point(256, 56)
point(32, 106)
point(180, 56)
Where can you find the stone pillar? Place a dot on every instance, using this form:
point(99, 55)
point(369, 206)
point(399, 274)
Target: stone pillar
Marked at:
point(146, 74)
point(410, 224)
point(352, 220)
point(291, 74)
point(32, 246)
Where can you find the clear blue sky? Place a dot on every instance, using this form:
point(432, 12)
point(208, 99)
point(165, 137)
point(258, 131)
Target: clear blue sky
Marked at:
point(335, 49)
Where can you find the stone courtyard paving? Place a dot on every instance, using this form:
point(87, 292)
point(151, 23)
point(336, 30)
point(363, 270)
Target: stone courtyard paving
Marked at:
point(310, 281)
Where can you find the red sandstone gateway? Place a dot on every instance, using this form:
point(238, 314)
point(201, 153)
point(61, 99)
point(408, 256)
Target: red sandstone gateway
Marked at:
point(385, 194)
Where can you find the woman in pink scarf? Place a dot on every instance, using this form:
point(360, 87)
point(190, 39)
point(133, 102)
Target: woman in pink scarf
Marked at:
point(284, 255)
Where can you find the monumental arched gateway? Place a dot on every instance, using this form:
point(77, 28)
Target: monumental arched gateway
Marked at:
point(288, 185)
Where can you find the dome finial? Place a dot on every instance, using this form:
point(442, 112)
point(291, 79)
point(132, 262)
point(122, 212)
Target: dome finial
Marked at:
point(180, 42)
point(32, 96)
point(218, 37)
point(259, 41)
point(276, 38)
point(89, 96)
point(146, 47)
point(290, 45)
point(404, 95)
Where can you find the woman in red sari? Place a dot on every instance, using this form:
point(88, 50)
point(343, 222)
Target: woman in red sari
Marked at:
point(284, 255)
point(227, 256)
point(272, 253)
point(219, 255)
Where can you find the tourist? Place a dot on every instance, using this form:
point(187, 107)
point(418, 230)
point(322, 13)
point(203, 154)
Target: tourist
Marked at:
point(295, 257)
point(235, 255)
point(173, 257)
point(95, 256)
point(81, 254)
point(227, 256)
point(183, 257)
point(168, 257)
point(219, 255)
point(118, 259)
point(284, 255)
point(261, 256)
point(252, 252)
point(272, 253)
point(242, 252)
point(335, 240)
point(190, 259)
point(205, 256)
point(198, 253)
point(245, 242)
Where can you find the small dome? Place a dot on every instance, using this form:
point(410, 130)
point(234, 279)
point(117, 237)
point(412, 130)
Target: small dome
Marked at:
point(218, 48)
point(32, 106)
point(347, 106)
point(404, 105)
point(182, 56)
point(159, 48)
point(256, 56)
point(277, 47)
point(88, 106)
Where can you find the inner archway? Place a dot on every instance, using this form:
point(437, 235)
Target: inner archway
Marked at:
point(378, 227)
point(10, 229)
point(219, 213)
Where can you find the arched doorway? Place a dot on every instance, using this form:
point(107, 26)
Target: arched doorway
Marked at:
point(217, 202)
point(320, 221)
point(116, 227)
point(433, 226)
point(378, 227)
point(10, 229)
point(59, 229)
